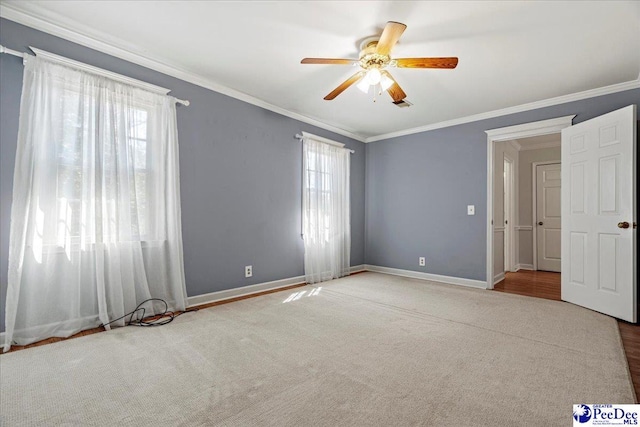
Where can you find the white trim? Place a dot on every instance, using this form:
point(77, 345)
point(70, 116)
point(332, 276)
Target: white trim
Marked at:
point(524, 267)
point(9, 12)
point(322, 139)
point(427, 276)
point(253, 289)
point(524, 227)
point(591, 93)
point(498, 229)
point(515, 144)
point(357, 268)
point(543, 127)
point(497, 278)
point(509, 252)
point(99, 71)
point(244, 290)
point(526, 130)
point(534, 205)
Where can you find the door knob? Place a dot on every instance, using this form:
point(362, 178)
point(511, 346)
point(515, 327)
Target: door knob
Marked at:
point(623, 224)
point(540, 223)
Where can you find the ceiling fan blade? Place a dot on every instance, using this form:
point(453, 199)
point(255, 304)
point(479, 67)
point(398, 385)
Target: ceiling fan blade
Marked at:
point(390, 35)
point(395, 90)
point(351, 80)
point(449, 62)
point(336, 61)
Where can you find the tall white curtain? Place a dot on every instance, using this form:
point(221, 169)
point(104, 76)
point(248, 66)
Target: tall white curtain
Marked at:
point(326, 211)
point(95, 219)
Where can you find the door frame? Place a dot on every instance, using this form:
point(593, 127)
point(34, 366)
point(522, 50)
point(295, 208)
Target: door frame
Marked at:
point(509, 227)
point(543, 127)
point(534, 213)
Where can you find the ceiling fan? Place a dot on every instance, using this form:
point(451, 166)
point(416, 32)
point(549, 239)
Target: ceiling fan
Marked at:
point(375, 58)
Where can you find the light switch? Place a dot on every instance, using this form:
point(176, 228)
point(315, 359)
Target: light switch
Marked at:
point(471, 209)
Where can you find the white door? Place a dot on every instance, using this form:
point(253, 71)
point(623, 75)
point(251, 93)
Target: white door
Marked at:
point(547, 221)
point(599, 214)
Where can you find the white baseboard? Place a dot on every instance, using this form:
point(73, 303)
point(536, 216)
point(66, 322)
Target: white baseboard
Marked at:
point(427, 276)
point(498, 277)
point(358, 268)
point(238, 292)
point(254, 289)
point(242, 291)
point(524, 267)
point(282, 283)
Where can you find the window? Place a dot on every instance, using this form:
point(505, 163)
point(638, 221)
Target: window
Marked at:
point(326, 209)
point(97, 179)
point(76, 181)
point(318, 188)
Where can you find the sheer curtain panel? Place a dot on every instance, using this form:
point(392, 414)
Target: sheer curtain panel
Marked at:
point(326, 211)
point(95, 219)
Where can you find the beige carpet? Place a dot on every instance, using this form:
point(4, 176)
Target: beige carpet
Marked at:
point(370, 349)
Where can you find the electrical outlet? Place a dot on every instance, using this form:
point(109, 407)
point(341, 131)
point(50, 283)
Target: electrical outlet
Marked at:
point(422, 261)
point(471, 209)
point(248, 271)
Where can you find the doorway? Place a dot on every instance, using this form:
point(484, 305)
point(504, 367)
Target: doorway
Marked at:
point(598, 247)
point(494, 136)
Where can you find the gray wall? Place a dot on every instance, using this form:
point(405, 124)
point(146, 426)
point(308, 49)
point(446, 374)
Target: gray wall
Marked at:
point(419, 186)
point(240, 174)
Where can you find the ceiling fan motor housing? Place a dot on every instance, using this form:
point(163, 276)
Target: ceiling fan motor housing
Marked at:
point(369, 58)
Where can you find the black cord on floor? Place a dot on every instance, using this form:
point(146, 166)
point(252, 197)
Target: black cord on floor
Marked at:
point(162, 319)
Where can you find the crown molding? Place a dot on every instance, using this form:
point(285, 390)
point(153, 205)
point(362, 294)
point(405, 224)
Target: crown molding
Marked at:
point(29, 18)
point(591, 93)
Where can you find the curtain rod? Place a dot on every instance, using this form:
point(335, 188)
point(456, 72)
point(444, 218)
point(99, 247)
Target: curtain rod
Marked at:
point(301, 137)
point(25, 55)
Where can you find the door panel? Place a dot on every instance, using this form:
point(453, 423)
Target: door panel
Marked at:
point(552, 244)
point(598, 199)
point(608, 188)
point(578, 258)
point(548, 217)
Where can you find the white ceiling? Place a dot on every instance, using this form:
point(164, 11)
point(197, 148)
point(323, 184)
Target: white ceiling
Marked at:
point(511, 53)
point(540, 141)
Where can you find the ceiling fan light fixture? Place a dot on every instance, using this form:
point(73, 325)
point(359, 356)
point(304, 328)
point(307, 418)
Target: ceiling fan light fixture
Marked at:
point(363, 85)
point(373, 76)
point(385, 82)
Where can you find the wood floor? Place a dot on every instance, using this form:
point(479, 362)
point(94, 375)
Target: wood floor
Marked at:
point(543, 284)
